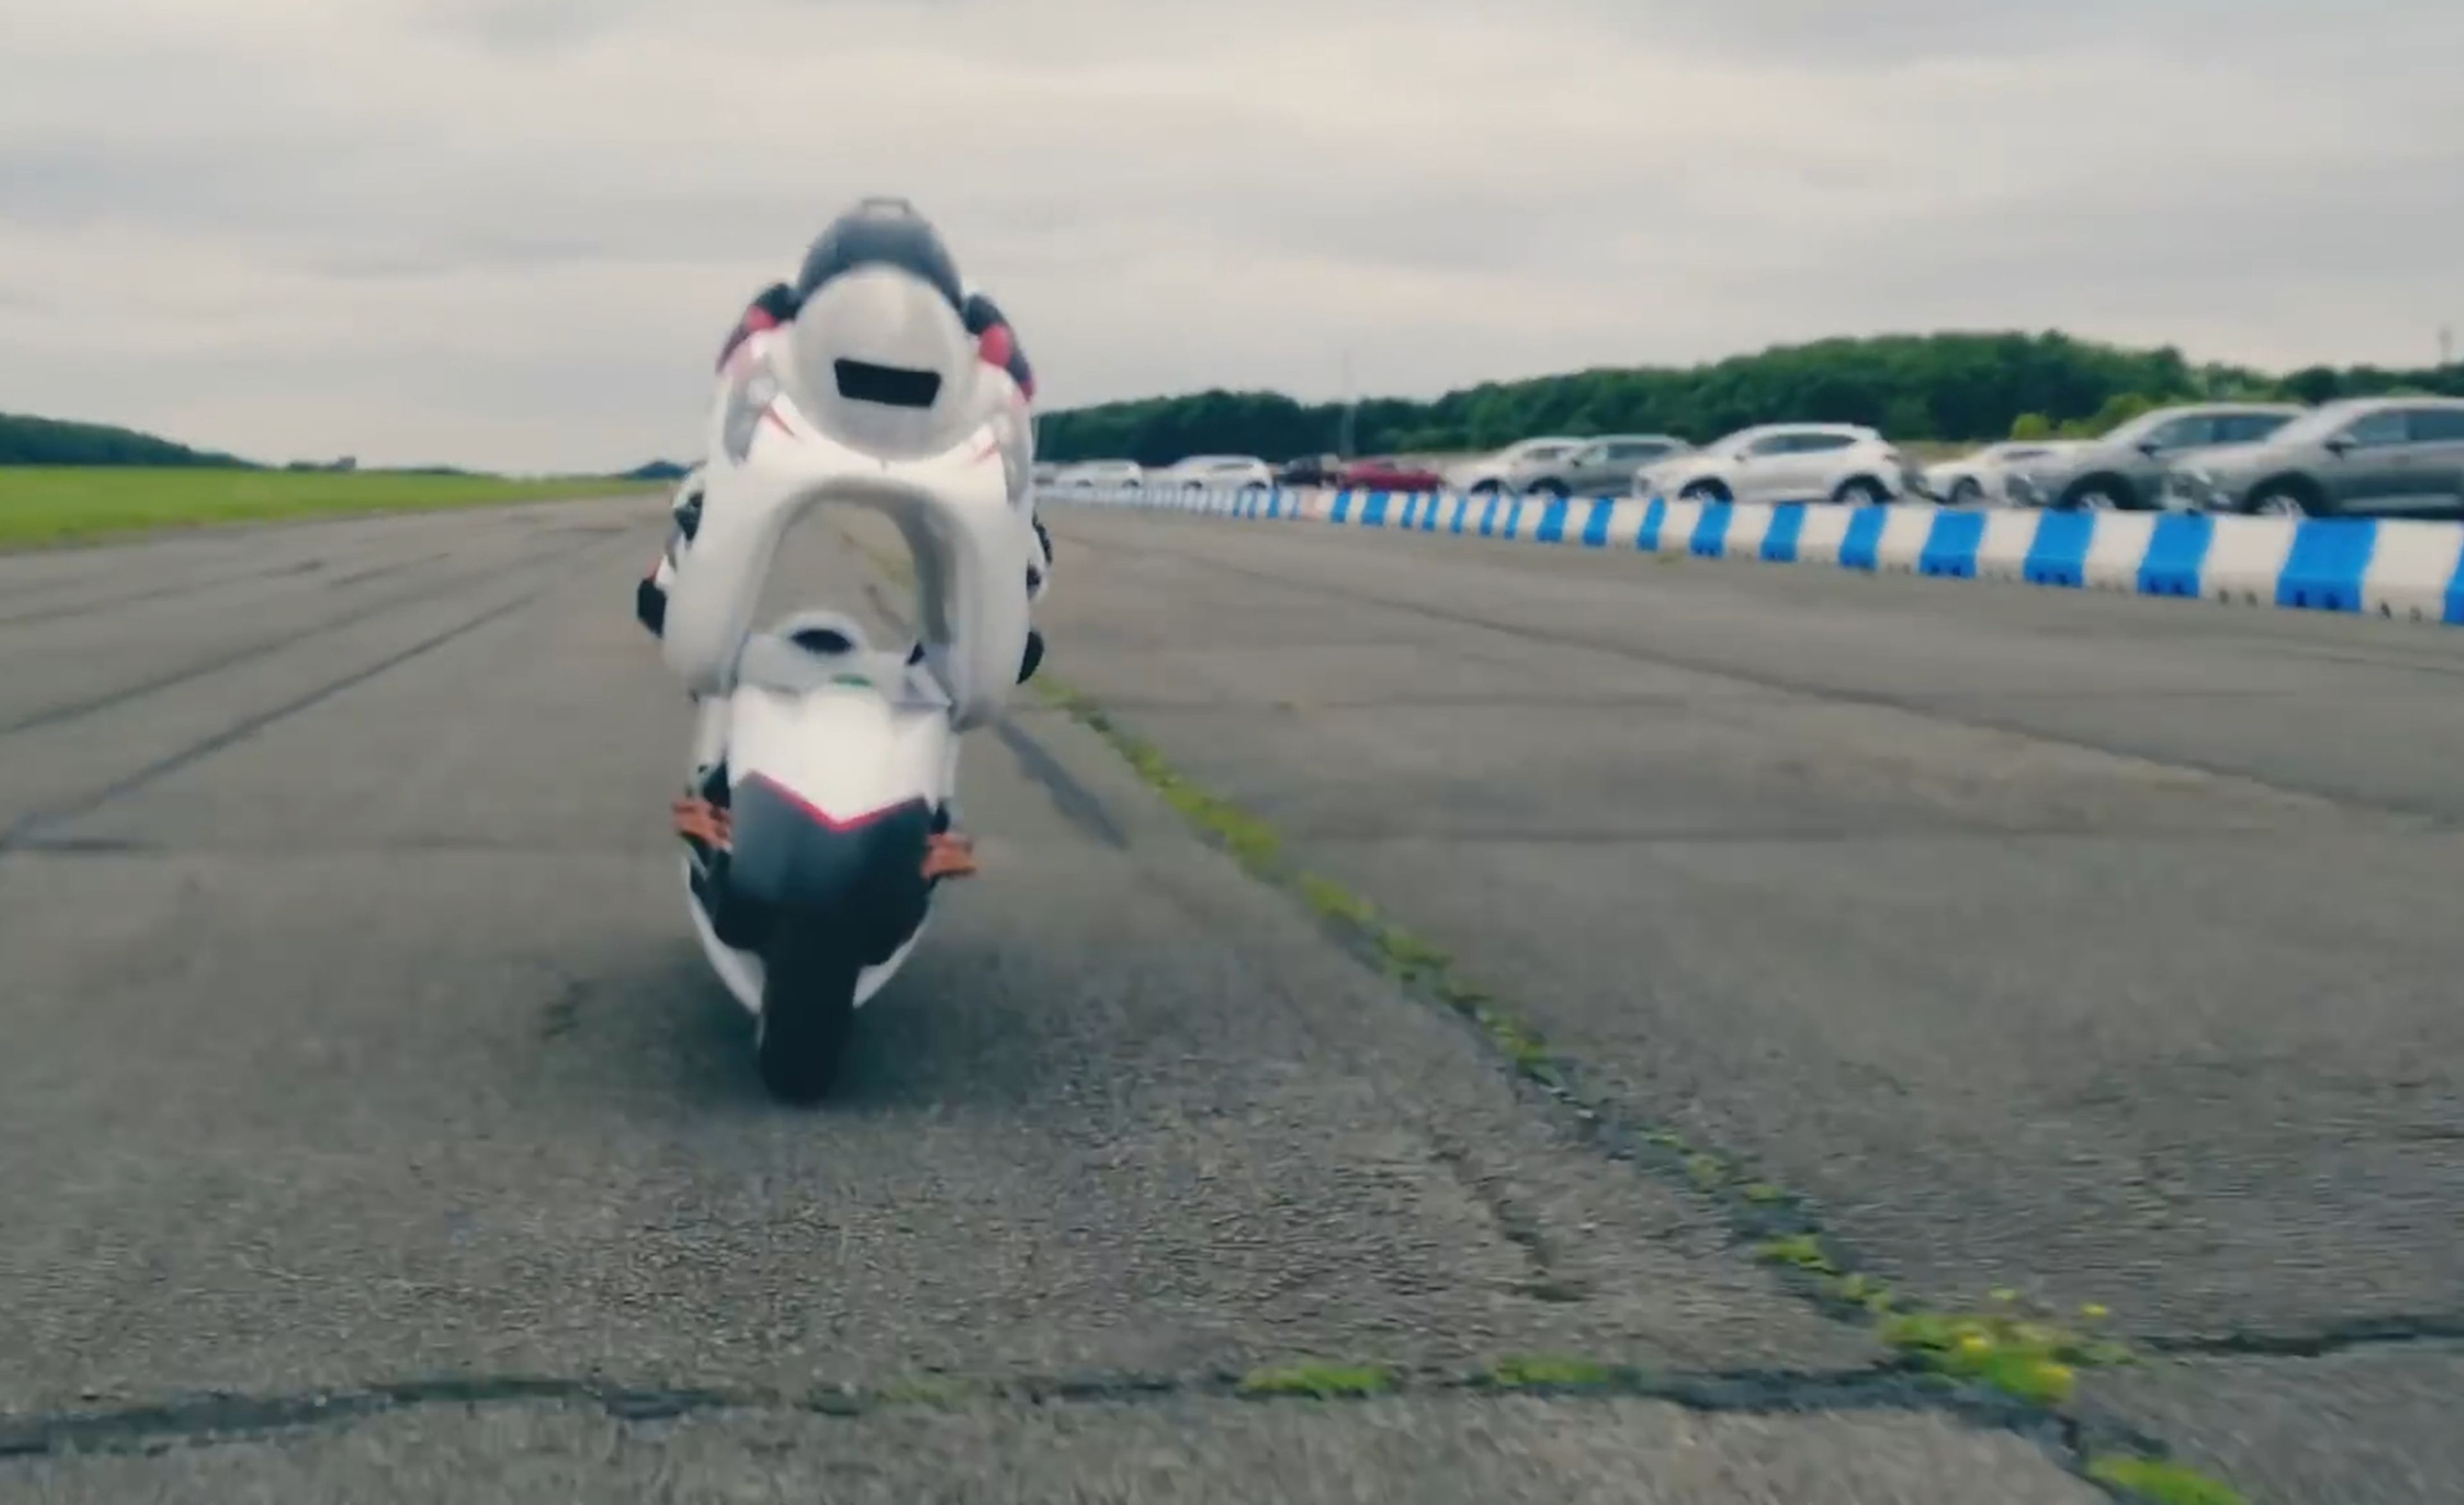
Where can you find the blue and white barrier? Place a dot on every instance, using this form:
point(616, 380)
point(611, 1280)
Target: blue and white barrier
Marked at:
point(2407, 570)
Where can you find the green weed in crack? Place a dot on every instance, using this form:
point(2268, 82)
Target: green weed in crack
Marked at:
point(1325, 1382)
point(2162, 1483)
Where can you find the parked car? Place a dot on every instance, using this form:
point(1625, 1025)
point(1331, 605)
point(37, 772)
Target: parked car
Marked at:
point(1388, 475)
point(1215, 472)
point(1600, 466)
point(1488, 472)
point(2366, 454)
point(1974, 480)
point(1784, 462)
point(2124, 470)
point(1090, 474)
point(1311, 470)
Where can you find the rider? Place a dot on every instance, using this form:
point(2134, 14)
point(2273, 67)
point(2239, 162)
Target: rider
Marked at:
point(875, 231)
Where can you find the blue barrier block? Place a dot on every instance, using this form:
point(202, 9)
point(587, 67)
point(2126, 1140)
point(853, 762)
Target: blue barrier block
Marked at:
point(1552, 521)
point(1711, 529)
point(1488, 514)
point(1654, 518)
point(1342, 507)
point(1463, 505)
point(2177, 553)
point(1595, 527)
point(1950, 545)
point(2058, 556)
point(1373, 514)
point(1411, 513)
point(1514, 518)
point(1787, 526)
point(2330, 555)
point(1862, 548)
point(2455, 597)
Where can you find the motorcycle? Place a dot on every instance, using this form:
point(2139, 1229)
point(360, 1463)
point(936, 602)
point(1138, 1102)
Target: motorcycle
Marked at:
point(841, 757)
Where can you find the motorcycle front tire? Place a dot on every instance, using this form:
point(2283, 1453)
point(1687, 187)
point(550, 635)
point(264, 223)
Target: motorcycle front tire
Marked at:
point(807, 1012)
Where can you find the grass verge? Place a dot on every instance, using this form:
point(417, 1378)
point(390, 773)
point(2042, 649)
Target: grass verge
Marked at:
point(2028, 1355)
point(43, 505)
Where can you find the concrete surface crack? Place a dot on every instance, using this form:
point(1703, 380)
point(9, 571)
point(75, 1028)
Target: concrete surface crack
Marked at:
point(2361, 1333)
point(1513, 1224)
point(212, 1419)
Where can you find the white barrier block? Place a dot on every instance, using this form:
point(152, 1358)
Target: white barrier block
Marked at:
point(2411, 569)
point(1904, 537)
point(2002, 553)
point(1676, 526)
point(1748, 525)
point(2116, 549)
point(2246, 556)
point(1825, 530)
point(1625, 523)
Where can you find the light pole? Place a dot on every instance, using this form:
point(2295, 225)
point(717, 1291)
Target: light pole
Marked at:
point(1351, 409)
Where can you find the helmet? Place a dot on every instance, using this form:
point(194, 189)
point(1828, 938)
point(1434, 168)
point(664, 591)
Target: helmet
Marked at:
point(880, 358)
point(882, 232)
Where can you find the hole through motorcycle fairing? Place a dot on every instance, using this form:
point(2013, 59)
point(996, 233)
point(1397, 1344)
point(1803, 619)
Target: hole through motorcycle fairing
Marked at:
point(893, 386)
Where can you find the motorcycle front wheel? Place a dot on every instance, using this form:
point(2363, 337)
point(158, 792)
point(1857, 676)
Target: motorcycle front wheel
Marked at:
point(807, 1012)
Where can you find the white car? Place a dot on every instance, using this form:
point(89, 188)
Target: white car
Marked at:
point(1490, 472)
point(1784, 462)
point(1984, 477)
point(1206, 472)
point(1091, 475)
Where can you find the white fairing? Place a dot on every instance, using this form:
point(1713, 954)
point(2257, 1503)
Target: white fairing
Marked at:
point(845, 749)
point(971, 546)
point(891, 321)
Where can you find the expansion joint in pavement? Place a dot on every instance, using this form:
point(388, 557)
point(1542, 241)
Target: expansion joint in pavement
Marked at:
point(2360, 1334)
point(212, 1419)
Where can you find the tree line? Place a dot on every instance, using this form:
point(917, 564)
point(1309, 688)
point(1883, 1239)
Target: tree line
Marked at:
point(1971, 387)
point(49, 441)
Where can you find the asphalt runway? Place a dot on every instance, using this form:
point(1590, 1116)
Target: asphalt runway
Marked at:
point(370, 1130)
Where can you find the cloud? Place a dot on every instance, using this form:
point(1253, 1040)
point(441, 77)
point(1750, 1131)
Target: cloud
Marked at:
point(509, 231)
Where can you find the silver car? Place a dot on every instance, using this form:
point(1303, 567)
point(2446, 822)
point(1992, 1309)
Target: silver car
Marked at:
point(1488, 472)
point(2367, 454)
point(2124, 470)
point(1602, 467)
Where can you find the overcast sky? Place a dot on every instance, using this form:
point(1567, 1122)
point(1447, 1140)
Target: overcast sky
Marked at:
point(510, 232)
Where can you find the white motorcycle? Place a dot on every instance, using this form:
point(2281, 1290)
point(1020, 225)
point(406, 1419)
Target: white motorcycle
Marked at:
point(841, 758)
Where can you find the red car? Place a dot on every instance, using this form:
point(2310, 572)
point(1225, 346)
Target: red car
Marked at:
point(1388, 475)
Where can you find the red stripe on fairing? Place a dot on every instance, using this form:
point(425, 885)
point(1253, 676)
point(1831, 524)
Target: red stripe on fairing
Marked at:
point(822, 818)
point(996, 344)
